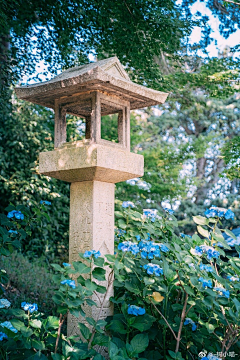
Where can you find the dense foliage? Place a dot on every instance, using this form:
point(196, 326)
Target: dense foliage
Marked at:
point(175, 296)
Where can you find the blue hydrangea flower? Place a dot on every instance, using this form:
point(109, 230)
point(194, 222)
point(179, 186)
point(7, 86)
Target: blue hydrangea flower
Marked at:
point(149, 249)
point(129, 246)
point(153, 269)
point(209, 250)
point(17, 214)
point(70, 283)
point(29, 307)
point(94, 253)
point(207, 268)
point(12, 231)
point(223, 291)
point(8, 326)
point(121, 232)
point(135, 310)
point(4, 303)
point(210, 356)
point(150, 213)
point(163, 247)
point(169, 211)
point(233, 278)
point(190, 321)
point(2, 336)
point(45, 202)
point(127, 204)
point(66, 264)
point(215, 211)
point(205, 282)
point(211, 213)
point(184, 235)
point(138, 237)
point(229, 215)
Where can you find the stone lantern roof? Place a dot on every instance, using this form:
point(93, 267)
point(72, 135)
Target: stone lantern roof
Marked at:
point(106, 76)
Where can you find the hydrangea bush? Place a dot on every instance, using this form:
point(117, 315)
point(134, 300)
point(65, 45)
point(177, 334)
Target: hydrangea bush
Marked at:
point(176, 297)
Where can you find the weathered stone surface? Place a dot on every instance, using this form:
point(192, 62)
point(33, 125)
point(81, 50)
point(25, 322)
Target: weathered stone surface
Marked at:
point(107, 76)
point(81, 161)
point(91, 227)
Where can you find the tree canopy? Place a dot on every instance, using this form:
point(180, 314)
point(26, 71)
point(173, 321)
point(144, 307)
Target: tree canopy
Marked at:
point(187, 143)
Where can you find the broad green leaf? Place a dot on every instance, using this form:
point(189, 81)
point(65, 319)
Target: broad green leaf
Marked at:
point(230, 233)
point(139, 343)
point(210, 327)
point(143, 322)
point(84, 331)
point(200, 220)
point(113, 350)
point(99, 273)
point(203, 231)
point(36, 324)
point(38, 345)
point(81, 268)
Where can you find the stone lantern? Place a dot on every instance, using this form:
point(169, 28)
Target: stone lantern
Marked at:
point(93, 165)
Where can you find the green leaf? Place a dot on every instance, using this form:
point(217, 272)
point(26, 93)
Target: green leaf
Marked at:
point(203, 231)
point(139, 343)
point(117, 326)
point(200, 220)
point(84, 331)
point(122, 224)
point(99, 261)
point(189, 290)
point(52, 322)
point(57, 356)
point(90, 285)
point(81, 268)
point(38, 345)
point(237, 304)
point(90, 302)
point(210, 327)
point(36, 324)
point(230, 233)
point(132, 287)
point(101, 289)
point(143, 322)
point(99, 273)
point(57, 267)
point(113, 350)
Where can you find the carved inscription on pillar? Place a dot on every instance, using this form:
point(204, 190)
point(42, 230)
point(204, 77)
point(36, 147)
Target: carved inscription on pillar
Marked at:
point(91, 228)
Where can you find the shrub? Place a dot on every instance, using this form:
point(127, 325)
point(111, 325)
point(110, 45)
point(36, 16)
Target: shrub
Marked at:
point(29, 280)
point(176, 297)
